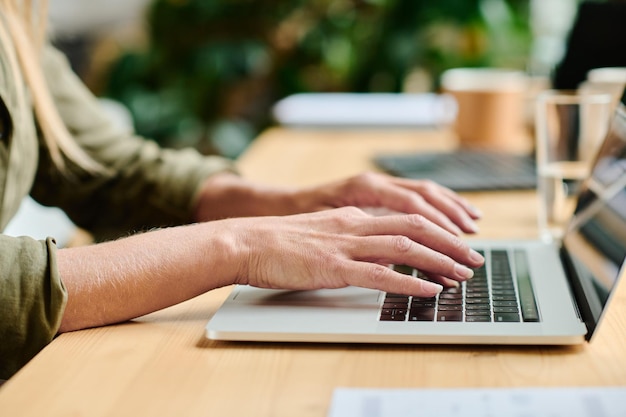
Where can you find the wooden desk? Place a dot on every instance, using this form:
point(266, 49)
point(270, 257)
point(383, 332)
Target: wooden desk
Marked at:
point(161, 364)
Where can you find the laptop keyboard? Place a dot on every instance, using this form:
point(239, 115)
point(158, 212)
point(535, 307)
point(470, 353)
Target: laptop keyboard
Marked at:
point(499, 292)
point(465, 170)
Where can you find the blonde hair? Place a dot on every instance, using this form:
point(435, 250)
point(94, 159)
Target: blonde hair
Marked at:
point(26, 23)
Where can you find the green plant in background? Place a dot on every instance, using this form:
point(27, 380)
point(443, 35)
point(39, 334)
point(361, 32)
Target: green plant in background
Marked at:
point(213, 68)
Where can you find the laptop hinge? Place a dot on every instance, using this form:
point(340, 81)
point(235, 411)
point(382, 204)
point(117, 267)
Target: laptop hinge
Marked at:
point(582, 307)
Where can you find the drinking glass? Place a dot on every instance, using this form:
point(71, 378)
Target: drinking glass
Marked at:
point(570, 125)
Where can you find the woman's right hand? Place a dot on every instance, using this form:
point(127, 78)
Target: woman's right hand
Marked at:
point(346, 246)
point(126, 278)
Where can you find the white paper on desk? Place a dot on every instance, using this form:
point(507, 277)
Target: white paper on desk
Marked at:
point(39, 222)
point(365, 109)
point(483, 402)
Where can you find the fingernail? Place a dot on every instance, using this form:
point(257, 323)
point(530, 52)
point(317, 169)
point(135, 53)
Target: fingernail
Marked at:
point(431, 288)
point(475, 211)
point(476, 257)
point(471, 226)
point(463, 272)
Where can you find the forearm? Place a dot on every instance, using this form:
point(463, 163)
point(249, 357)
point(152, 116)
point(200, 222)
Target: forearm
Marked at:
point(127, 278)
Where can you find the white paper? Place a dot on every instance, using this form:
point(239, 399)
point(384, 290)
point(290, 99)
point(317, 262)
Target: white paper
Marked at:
point(365, 109)
point(483, 402)
point(39, 222)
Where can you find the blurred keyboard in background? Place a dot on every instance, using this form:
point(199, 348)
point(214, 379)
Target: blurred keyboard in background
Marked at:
point(464, 170)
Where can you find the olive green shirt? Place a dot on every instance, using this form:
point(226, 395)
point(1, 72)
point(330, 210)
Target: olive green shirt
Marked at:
point(147, 187)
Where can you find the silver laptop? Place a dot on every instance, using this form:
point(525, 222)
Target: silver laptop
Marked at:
point(529, 292)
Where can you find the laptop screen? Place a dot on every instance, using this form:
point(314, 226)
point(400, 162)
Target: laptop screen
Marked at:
point(595, 241)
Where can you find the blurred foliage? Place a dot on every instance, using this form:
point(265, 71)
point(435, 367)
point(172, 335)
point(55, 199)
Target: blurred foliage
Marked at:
point(213, 68)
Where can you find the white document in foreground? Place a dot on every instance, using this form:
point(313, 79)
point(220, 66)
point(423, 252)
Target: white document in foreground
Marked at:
point(483, 402)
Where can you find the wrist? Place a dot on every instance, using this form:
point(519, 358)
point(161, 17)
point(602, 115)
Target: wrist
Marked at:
point(228, 195)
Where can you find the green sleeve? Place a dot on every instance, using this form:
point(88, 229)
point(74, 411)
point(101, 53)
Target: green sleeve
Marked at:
point(148, 186)
point(33, 300)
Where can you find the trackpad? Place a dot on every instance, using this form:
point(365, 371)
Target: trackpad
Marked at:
point(341, 297)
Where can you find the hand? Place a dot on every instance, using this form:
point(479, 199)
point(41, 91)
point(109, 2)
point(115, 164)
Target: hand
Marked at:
point(372, 190)
point(126, 278)
point(341, 247)
point(226, 195)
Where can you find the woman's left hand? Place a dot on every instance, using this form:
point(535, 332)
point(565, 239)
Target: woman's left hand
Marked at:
point(372, 190)
point(227, 195)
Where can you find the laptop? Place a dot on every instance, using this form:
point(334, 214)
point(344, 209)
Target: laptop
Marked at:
point(464, 170)
point(529, 292)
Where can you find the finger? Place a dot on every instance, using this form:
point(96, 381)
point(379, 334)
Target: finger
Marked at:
point(469, 208)
point(446, 282)
point(452, 209)
point(418, 187)
point(456, 208)
point(419, 230)
point(371, 275)
point(401, 250)
point(407, 201)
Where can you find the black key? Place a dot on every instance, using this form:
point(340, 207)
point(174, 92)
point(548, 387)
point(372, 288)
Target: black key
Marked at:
point(505, 303)
point(478, 313)
point(422, 308)
point(500, 266)
point(469, 290)
point(526, 292)
point(478, 318)
point(476, 288)
point(501, 275)
point(403, 269)
point(477, 301)
point(450, 308)
point(506, 317)
point(453, 302)
point(477, 295)
point(469, 307)
point(392, 318)
point(510, 291)
point(394, 305)
point(397, 300)
point(530, 314)
point(392, 295)
point(423, 304)
point(433, 299)
point(475, 285)
point(393, 312)
point(396, 297)
point(508, 287)
point(422, 315)
point(450, 316)
point(450, 296)
point(505, 309)
point(504, 298)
